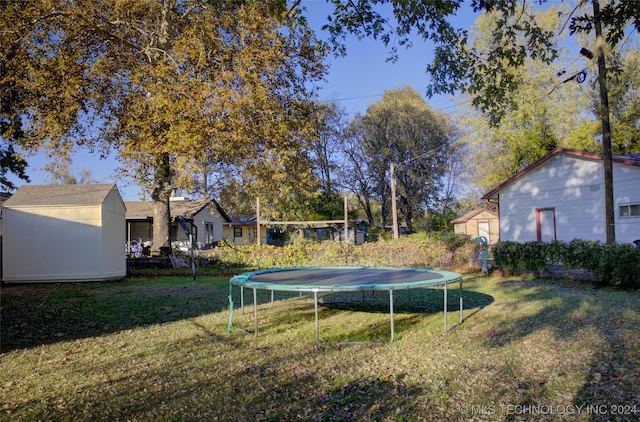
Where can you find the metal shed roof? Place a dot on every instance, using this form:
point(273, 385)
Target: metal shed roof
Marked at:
point(59, 195)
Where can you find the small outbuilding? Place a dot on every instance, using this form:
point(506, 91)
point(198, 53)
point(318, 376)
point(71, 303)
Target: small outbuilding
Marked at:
point(58, 233)
point(479, 223)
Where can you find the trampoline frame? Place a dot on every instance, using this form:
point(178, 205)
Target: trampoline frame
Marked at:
point(243, 280)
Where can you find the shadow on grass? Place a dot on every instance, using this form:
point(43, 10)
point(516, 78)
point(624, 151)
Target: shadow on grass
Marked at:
point(607, 321)
point(267, 387)
point(370, 399)
point(408, 306)
point(43, 314)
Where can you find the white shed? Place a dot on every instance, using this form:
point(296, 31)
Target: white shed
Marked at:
point(60, 233)
point(561, 197)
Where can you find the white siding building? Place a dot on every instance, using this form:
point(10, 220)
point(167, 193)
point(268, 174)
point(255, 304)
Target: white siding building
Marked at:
point(64, 233)
point(204, 217)
point(561, 197)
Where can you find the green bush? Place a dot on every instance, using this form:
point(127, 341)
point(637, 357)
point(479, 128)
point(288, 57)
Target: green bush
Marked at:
point(410, 251)
point(514, 257)
point(583, 254)
point(614, 264)
point(619, 266)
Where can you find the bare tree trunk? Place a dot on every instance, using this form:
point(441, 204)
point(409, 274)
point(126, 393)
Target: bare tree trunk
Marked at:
point(160, 195)
point(607, 161)
point(162, 175)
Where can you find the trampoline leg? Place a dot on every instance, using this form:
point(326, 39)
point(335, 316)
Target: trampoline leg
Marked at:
point(445, 309)
point(272, 298)
point(391, 313)
point(242, 299)
point(255, 310)
point(230, 308)
point(315, 303)
point(461, 301)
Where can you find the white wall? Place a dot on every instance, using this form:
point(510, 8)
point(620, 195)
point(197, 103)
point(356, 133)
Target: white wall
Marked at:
point(114, 262)
point(209, 215)
point(574, 187)
point(206, 215)
point(626, 190)
point(55, 243)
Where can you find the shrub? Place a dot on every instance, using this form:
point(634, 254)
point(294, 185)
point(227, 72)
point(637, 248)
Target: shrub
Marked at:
point(614, 264)
point(584, 254)
point(619, 266)
point(410, 251)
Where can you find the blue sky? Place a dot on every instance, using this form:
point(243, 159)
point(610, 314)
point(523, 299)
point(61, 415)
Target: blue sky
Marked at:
point(353, 83)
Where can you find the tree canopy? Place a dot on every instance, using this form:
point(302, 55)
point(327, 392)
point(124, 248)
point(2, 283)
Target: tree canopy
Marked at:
point(487, 74)
point(401, 129)
point(164, 83)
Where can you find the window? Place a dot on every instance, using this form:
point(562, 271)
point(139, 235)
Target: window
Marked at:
point(208, 236)
point(237, 232)
point(630, 210)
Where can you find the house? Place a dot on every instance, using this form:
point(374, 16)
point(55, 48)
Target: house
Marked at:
point(204, 218)
point(59, 233)
point(481, 222)
point(561, 197)
point(243, 231)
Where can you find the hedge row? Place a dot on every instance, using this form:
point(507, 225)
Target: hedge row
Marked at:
point(412, 251)
point(615, 264)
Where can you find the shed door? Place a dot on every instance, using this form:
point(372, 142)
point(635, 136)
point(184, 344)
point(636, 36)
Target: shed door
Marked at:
point(483, 230)
point(546, 224)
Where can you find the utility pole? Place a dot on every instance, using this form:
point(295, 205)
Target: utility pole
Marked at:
point(426, 221)
point(606, 128)
point(346, 223)
point(394, 208)
point(258, 221)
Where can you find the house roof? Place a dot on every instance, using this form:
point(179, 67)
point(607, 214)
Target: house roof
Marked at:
point(186, 208)
point(241, 221)
point(469, 215)
point(3, 197)
point(625, 159)
point(59, 195)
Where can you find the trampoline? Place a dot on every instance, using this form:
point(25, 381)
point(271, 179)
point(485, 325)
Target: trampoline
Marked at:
point(340, 279)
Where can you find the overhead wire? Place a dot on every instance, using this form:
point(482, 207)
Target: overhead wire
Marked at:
point(457, 106)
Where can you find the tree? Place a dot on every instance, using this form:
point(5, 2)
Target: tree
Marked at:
point(458, 66)
point(327, 146)
point(550, 111)
point(489, 77)
point(10, 162)
point(10, 128)
point(162, 82)
point(403, 130)
point(61, 175)
point(355, 174)
point(624, 95)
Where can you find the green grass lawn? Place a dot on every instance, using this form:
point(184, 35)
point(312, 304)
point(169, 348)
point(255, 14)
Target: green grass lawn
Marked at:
point(158, 349)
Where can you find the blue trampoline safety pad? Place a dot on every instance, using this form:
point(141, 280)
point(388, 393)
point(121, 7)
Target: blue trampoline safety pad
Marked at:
point(343, 278)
